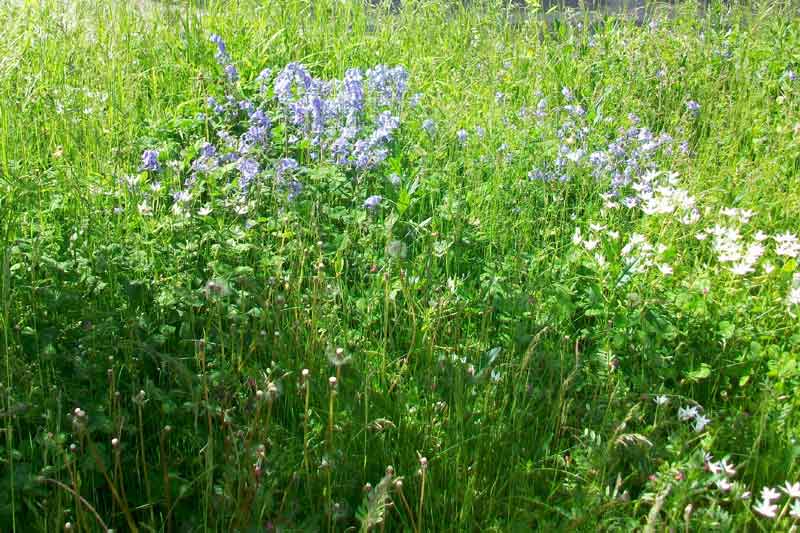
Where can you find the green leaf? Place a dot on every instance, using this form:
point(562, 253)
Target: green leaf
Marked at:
point(700, 374)
point(726, 329)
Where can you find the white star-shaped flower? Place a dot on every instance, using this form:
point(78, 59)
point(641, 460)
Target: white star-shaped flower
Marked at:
point(700, 422)
point(769, 494)
point(792, 490)
point(767, 509)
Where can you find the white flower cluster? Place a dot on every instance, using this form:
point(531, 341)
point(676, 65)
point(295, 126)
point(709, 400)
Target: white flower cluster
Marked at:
point(788, 245)
point(693, 413)
point(767, 507)
point(723, 471)
point(639, 255)
point(669, 201)
point(738, 254)
point(591, 243)
point(729, 247)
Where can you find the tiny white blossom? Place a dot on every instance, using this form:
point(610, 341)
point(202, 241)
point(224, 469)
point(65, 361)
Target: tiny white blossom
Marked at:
point(637, 238)
point(145, 210)
point(182, 196)
point(601, 260)
point(788, 245)
point(577, 238)
point(742, 268)
point(132, 180)
point(700, 422)
point(687, 413)
point(661, 400)
point(665, 269)
point(792, 490)
point(204, 211)
point(754, 251)
point(451, 285)
point(794, 510)
point(769, 494)
point(724, 485)
point(794, 296)
point(743, 215)
point(728, 468)
point(590, 244)
point(766, 509)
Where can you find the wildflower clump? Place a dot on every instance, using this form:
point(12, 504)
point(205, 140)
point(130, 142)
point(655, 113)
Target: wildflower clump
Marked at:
point(264, 136)
point(552, 277)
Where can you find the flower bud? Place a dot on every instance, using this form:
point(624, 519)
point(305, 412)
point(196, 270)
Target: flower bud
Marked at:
point(272, 391)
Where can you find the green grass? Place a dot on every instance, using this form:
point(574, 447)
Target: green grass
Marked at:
point(477, 331)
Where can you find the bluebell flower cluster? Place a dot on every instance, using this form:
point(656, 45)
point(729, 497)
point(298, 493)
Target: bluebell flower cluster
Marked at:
point(224, 59)
point(628, 163)
point(249, 169)
point(291, 120)
point(331, 114)
point(389, 83)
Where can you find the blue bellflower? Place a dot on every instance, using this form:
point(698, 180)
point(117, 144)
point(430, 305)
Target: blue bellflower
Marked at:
point(373, 201)
point(150, 161)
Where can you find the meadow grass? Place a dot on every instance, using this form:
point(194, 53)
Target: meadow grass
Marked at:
point(554, 287)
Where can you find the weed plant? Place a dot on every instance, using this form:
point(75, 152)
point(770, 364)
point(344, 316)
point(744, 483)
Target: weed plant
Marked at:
point(421, 266)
